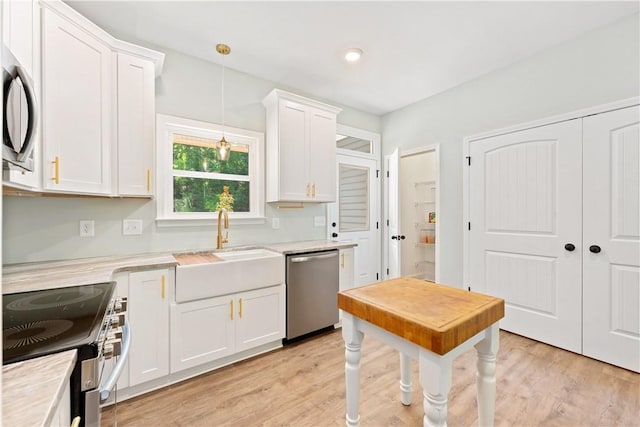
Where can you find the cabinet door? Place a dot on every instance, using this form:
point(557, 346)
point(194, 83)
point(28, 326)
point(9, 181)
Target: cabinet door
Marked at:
point(346, 269)
point(201, 331)
point(135, 125)
point(149, 320)
point(77, 94)
point(293, 182)
point(321, 155)
point(611, 288)
point(260, 317)
point(20, 34)
point(62, 415)
point(525, 206)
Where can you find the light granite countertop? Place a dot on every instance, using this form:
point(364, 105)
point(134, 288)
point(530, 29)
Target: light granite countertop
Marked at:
point(32, 389)
point(289, 248)
point(58, 274)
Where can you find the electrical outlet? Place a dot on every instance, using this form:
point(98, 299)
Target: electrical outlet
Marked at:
point(275, 223)
point(319, 221)
point(87, 228)
point(131, 227)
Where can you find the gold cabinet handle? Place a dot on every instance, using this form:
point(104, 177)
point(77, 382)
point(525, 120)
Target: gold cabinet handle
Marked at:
point(240, 309)
point(56, 170)
point(148, 179)
point(308, 190)
point(163, 286)
point(313, 190)
point(231, 309)
point(342, 261)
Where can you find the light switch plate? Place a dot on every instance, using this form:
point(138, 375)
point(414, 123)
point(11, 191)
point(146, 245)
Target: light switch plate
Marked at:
point(87, 228)
point(131, 227)
point(275, 223)
point(319, 221)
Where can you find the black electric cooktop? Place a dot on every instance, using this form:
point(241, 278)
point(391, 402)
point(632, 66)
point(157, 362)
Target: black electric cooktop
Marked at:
point(48, 321)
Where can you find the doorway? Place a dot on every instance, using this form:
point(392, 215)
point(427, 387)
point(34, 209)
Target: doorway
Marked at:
point(412, 195)
point(354, 217)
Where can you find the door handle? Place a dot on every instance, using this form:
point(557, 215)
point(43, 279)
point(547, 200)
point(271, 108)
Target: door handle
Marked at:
point(570, 247)
point(594, 249)
point(334, 234)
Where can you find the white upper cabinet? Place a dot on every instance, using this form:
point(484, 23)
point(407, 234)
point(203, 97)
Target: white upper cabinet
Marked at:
point(301, 149)
point(98, 108)
point(77, 84)
point(136, 110)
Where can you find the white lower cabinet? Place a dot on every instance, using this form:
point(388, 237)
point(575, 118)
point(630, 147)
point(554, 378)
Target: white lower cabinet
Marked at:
point(201, 331)
point(62, 416)
point(148, 313)
point(261, 317)
point(345, 276)
point(206, 330)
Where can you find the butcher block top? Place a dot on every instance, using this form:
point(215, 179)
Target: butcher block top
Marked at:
point(433, 316)
point(196, 258)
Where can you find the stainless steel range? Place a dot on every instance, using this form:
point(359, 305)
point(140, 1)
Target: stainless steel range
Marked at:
point(86, 318)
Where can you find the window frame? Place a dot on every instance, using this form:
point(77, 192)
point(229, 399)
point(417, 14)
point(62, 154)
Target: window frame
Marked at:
point(166, 127)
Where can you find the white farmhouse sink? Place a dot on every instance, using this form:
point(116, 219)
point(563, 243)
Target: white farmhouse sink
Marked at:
point(233, 271)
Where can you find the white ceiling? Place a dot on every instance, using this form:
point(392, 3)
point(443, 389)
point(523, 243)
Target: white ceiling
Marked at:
point(412, 50)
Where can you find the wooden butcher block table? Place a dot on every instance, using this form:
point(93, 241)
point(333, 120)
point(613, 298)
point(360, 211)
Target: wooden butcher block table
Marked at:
point(428, 322)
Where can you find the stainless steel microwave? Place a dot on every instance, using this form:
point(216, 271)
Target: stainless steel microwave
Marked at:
point(20, 113)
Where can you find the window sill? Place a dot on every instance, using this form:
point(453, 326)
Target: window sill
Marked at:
point(203, 222)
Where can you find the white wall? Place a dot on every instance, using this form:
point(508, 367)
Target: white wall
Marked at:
point(37, 229)
point(596, 68)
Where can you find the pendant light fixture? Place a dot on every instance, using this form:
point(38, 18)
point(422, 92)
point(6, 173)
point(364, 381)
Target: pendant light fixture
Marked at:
point(224, 148)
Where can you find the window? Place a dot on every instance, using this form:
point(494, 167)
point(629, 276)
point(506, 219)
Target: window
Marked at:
point(193, 184)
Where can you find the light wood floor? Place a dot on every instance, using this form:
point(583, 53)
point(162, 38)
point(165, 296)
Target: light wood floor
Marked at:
point(303, 385)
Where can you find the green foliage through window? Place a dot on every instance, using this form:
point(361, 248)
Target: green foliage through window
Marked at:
point(201, 193)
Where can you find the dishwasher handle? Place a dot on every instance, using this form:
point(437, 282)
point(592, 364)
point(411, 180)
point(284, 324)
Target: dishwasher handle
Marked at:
point(309, 258)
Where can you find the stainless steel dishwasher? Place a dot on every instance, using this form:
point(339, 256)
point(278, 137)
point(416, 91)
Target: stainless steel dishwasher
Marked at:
point(312, 292)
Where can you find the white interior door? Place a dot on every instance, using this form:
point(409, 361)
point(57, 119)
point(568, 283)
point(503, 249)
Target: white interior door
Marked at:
point(612, 223)
point(354, 217)
point(393, 215)
point(525, 211)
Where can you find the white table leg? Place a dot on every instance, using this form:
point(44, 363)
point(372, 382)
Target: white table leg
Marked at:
point(435, 378)
point(405, 379)
point(352, 343)
point(486, 375)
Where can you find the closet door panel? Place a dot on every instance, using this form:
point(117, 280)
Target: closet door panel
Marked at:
point(525, 206)
point(612, 223)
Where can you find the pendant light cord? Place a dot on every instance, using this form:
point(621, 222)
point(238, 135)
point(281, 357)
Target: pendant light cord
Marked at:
point(222, 91)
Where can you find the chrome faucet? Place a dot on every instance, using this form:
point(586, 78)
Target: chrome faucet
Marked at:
point(226, 225)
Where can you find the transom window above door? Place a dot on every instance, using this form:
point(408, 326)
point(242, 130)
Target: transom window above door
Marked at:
point(194, 183)
point(353, 143)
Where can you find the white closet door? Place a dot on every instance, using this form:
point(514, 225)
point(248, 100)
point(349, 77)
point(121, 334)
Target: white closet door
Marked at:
point(525, 206)
point(612, 222)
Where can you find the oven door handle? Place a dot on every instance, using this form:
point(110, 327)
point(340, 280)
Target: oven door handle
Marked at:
point(117, 370)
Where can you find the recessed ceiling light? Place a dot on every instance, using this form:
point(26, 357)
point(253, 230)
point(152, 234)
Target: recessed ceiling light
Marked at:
point(353, 54)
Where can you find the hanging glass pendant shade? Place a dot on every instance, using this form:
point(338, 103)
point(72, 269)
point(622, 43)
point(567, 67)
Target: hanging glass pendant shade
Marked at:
point(223, 150)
